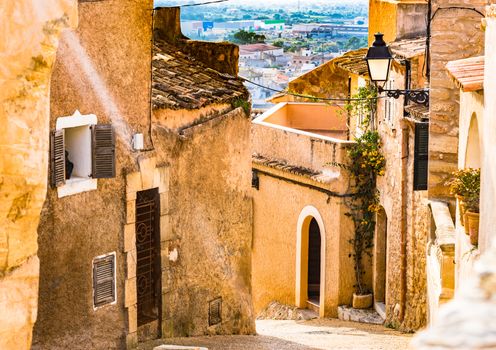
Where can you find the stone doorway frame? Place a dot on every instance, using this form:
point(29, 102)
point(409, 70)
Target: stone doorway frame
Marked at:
point(149, 177)
point(302, 238)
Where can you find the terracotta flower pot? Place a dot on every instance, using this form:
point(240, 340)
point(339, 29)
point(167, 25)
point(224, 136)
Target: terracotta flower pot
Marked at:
point(362, 301)
point(462, 208)
point(472, 222)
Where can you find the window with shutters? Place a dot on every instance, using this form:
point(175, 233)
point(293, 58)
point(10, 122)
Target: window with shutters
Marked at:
point(390, 105)
point(104, 290)
point(421, 157)
point(82, 151)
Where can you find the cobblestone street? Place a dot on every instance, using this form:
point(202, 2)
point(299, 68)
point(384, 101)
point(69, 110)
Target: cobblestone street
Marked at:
point(303, 335)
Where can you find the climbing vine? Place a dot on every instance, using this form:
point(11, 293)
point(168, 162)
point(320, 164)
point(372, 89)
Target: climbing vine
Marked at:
point(366, 163)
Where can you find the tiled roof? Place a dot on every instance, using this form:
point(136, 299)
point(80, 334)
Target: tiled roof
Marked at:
point(353, 61)
point(256, 48)
point(278, 164)
point(409, 48)
point(181, 82)
point(468, 73)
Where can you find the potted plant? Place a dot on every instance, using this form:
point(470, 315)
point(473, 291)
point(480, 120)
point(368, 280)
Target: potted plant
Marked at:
point(465, 185)
point(472, 199)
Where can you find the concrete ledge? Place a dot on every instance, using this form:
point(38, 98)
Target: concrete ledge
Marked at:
point(445, 227)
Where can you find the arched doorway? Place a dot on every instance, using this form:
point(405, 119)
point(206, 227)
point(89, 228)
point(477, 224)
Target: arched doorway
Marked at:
point(314, 261)
point(472, 155)
point(380, 261)
point(310, 261)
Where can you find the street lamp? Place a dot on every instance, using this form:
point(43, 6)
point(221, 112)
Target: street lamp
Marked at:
point(379, 60)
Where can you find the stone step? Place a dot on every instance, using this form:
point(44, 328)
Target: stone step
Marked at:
point(313, 306)
point(370, 316)
point(380, 308)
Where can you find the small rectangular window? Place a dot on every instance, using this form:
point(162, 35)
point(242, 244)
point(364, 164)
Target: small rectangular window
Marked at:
point(104, 280)
point(390, 105)
point(421, 157)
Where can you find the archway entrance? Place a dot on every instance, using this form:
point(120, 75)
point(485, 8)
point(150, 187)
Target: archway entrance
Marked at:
point(380, 263)
point(314, 261)
point(472, 155)
point(310, 261)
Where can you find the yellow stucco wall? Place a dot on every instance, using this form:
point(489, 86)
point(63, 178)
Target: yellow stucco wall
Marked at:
point(382, 18)
point(275, 244)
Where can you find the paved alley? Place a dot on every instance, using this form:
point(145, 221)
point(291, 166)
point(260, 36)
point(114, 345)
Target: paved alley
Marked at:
point(303, 335)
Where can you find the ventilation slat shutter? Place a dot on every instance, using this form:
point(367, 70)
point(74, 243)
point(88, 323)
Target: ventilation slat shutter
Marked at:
point(421, 157)
point(103, 151)
point(57, 158)
point(104, 280)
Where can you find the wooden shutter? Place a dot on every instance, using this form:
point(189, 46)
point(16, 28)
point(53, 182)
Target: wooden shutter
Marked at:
point(421, 157)
point(57, 158)
point(103, 151)
point(104, 280)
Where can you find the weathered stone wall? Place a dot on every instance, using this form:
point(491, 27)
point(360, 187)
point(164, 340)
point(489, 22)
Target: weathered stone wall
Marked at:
point(95, 73)
point(407, 217)
point(28, 42)
point(411, 20)
point(222, 57)
point(398, 20)
point(210, 226)
point(456, 34)
point(328, 80)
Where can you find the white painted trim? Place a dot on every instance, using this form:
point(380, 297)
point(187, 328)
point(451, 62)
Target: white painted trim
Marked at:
point(306, 214)
point(77, 185)
point(93, 281)
point(77, 119)
point(261, 121)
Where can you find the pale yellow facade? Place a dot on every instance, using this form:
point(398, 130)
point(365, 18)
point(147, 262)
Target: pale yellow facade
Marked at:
point(292, 147)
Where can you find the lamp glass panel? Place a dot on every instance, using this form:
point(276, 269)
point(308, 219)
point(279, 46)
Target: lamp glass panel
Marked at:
point(379, 69)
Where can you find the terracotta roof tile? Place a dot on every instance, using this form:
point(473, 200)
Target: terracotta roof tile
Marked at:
point(409, 48)
point(468, 73)
point(279, 164)
point(181, 82)
point(353, 61)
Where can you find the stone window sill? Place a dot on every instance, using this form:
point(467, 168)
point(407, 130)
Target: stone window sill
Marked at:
point(77, 185)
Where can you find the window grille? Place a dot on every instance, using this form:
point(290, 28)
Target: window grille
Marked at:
point(104, 280)
point(215, 312)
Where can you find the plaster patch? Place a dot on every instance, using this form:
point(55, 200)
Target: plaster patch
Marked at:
point(173, 255)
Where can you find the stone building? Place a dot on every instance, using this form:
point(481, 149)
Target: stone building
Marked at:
point(300, 233)
point(146, 228)
point(420, 152)
point(467, 321)
point(28, 42)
